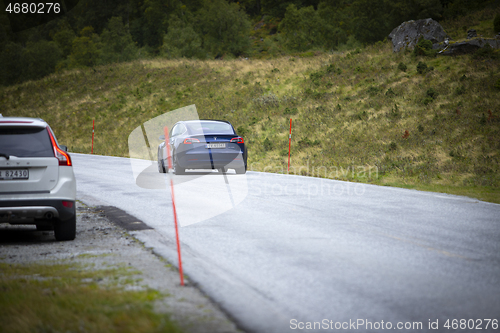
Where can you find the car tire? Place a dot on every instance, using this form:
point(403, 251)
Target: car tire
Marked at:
point(65, 230)
point(241, 171)
point(177, 169)
point(161, 166)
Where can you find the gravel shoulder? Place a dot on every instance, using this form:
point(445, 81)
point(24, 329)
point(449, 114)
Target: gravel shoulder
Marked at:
point(102, 244)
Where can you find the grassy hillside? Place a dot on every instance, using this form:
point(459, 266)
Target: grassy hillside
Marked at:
point(357, 116)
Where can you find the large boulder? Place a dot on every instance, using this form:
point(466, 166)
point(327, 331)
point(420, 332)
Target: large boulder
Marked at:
point(406, 36)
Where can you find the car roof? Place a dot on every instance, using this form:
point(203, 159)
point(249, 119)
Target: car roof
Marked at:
point(214, 120)
point(22, 121)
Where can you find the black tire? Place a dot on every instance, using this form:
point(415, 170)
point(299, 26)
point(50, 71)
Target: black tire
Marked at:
point(241, 171)
point(65, 230)
point(161, 163)
point(177, 169)
point(161, 166)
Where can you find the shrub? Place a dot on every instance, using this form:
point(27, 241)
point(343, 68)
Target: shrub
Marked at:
point(497, 84)
point(402, 67)
point(267, 144)
point(486, 52)
point(424, 48)
point(306, 142)
point(431, 93)
point(373, 90)
point(420, 128)
point(291, 111)
point(460, 90)
point(421, 67)
point(331, 69)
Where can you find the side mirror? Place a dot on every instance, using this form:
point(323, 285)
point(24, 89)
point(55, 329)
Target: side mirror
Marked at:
point(162, 137)
point(65, 148)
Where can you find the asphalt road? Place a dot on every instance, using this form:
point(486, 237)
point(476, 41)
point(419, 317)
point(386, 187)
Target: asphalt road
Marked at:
point(281, 252)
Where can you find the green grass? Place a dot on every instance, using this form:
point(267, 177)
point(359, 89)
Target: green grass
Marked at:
point(349, 109)
point(71, 298)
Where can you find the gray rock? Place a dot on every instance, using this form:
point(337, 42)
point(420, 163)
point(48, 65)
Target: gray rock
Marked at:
point(471, 33)
point(469, 46)
point(406, 35)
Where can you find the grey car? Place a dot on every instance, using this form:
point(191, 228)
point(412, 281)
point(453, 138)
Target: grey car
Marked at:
point(37, 183)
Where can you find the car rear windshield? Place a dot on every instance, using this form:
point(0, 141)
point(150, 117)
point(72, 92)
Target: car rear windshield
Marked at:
point(25, 142)
point(210, 127)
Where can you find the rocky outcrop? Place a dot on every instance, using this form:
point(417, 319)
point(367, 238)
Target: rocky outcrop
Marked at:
point(471, 33)
point(469, 46)
point(406, 35)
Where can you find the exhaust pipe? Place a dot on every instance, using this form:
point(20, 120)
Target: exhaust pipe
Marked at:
point(49, 215)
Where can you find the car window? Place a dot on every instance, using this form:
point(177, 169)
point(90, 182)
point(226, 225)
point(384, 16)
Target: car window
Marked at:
point(210, 127)
point(25, 142)
point(178, 130)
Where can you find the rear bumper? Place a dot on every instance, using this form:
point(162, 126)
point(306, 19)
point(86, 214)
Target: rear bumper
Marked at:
point(31, 211)
point(209, 160)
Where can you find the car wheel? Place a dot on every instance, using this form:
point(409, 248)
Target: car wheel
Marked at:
point(65, 230)
point(241, 171)
point(177, 169)
point(161, 166)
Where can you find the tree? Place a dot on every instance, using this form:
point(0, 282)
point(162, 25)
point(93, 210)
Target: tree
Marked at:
point(370, 21)
point(117, 43)
point(41, 58)
point(496, 23)
point(64, 38)
point(224, 28)
point(301, 29)
point(12, 63)
point(182, 40)
point(85, 49)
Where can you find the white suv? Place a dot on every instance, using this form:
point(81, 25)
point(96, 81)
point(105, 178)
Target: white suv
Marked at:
point(37, 183)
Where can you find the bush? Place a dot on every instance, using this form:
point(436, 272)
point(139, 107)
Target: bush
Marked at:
point(421, 67)
point(268, 144)
point(402, 67)
point(424, 48)
point(432, 93)
point(306, 142)
point(486, 52)
point(291, 111)
point(460, 90)
point(497, 84)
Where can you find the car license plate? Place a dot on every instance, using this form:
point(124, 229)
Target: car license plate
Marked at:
point(14, 174)
point(215, 145)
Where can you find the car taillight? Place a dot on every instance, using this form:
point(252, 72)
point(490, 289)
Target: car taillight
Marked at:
point(189, 141)
point(61, 155)
point(67, 204)
point(237, 140)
